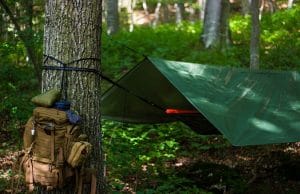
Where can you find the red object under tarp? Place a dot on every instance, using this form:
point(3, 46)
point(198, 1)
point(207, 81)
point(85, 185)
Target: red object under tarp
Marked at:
point(180, 111)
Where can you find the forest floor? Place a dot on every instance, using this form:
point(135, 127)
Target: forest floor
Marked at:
point(267, 169)
point(255, 169)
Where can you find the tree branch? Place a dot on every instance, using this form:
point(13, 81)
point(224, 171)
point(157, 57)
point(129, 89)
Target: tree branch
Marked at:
point(30, 51)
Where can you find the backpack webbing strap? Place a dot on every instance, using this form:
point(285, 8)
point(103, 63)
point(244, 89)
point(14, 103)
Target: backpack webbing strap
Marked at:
point(93, 183)
point(52, 146)
point(80, 183)
point(87, 174)
point(31, 186)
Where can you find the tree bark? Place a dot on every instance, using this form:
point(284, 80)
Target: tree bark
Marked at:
point(255, 35)
point(145, 7)
point(216, 32)
point(112, 17)
point(25, 38)
point(225, 35)
point(245, 4)
point(2, 27)
point(156, 14)
point(290, 4)
point(179, 7)
point(202, 4)
point(130, 7)
point(73, 31)
point(166, 17)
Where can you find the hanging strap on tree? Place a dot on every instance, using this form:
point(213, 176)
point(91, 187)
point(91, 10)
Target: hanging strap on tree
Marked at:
point(66, 67)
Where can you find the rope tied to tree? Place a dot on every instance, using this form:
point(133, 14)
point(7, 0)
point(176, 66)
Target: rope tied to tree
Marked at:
point(65, 67)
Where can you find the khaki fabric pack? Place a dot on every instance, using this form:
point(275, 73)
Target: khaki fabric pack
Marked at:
point(46, 99)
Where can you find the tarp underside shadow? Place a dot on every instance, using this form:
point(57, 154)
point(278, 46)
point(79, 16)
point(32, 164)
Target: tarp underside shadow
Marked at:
point(247, 107)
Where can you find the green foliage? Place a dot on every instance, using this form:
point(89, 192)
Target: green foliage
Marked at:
point(281, 40)
point(138, 154)
point(143, 158)
point(17, 86)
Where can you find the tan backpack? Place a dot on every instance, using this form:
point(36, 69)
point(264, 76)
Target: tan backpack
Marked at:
point(54, 150)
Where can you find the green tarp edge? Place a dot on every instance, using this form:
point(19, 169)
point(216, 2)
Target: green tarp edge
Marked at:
point(249, 108)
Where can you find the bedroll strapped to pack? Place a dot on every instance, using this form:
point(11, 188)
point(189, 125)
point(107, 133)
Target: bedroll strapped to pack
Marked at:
point(54, 151)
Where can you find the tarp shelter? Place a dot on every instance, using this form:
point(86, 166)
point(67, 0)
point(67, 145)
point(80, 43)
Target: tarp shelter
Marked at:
point(247, 107)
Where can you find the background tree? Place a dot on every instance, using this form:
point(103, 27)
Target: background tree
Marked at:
point(72, 31)
point(290, 4)
point(145, 7)
point(255, 35)
point(24, 32)
point(216, 32)
point(157, 13)
point(245, 5)
point(179, 7)
point(112, 16)
point(201, 9)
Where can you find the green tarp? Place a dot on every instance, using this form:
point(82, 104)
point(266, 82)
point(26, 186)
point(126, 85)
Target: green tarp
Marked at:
point(247, 107)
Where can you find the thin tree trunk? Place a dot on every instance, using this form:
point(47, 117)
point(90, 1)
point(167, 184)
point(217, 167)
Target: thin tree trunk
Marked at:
point(272, 6)
point(255, 35)
point(225, 35)
point(179, 7)
point(290, 4)
point(156, 14)
point(245, 4)
point(216, 32)
point(166, 17)
point(145, 7)
point(104, 11)
point(112, 17)
point(131, 17)
point(2, 26)
point(72, 31)
point(202, 4)
point(261, 8)
point(211, 27)
point(26, 40)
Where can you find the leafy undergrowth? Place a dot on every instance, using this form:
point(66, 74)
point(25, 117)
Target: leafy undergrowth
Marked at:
point(167, 158)
point(147, 160)
point(173, 159)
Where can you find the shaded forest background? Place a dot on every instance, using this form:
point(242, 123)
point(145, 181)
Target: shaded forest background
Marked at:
point(167, 158)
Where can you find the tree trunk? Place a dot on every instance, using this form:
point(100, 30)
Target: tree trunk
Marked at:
point(245, 4)
point(145, 7)
point(290, 4)
point(211, 25)
point(2, 27)
point(166, 17)
point(261, 4)
point(179, 7)
point(73, 31)
point(202, 4)
point(112, 17)
point(272, 6)
point(255, 35)
point(216, 27)
point(25, 38)
point(131, 17)
point(156, 14)
point(225, 35)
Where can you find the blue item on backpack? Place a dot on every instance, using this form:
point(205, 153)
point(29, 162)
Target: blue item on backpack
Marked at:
point(62, 105)
point(73, 117)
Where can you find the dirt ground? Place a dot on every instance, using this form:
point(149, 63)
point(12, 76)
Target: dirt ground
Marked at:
point(270, 169)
